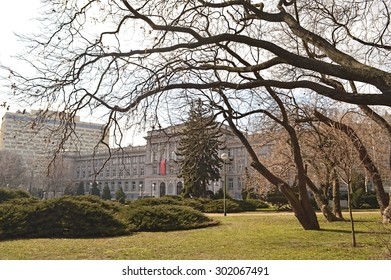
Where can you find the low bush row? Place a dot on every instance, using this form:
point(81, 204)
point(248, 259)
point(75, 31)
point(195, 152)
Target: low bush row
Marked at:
point(8, 194)
point(89, 216)
point(205, 205)
point(166, 217)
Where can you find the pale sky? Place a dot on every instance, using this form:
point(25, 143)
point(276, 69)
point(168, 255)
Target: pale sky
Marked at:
point(15, 17)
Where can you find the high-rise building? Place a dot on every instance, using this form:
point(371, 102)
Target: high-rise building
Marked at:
point(35, 134)
point(37, 137)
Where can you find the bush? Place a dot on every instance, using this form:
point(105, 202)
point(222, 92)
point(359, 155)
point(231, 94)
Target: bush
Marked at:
point(197, 204)
point(9, 194)
point(260, 204)
point(165, 200)
point(279, 201)
point(247, 205)
point(83, 216)
point(217, 206)
point(165, 218)
point(369, 200)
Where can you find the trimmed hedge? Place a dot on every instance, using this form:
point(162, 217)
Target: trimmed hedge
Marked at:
point(205, 205)
point(83, 216)
point(165, 200)
point(165, 218)
point(9, 194)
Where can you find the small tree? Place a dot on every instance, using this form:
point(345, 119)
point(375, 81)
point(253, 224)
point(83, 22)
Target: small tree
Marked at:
point(120, 196)
point(95, 190)
point(106, 194)
point(80, 189)
point(199, 151)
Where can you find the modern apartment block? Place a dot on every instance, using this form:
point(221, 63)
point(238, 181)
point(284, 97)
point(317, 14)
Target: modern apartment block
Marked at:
point(35, 135)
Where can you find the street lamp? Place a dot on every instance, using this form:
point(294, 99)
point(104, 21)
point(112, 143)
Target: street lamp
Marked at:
point(153, 188)
point(225, 159)
point(141, 190)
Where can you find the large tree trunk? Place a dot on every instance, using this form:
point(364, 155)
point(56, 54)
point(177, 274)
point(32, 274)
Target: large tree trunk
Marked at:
point(381, 195)
point(322, 203)
point(301, 205)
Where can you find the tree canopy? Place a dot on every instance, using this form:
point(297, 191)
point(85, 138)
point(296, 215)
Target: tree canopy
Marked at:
point(245, 58)
point(198, 151)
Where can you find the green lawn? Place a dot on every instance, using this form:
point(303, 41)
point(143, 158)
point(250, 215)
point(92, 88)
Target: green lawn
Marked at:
point(237, 237)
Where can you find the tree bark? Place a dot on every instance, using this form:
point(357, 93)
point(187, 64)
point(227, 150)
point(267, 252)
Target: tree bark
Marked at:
point(336, 196)
point(322, 203)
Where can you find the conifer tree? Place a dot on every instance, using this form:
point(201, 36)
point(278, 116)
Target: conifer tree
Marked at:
point(106, 194)
point(120, 195)
point(198, 151)
point(95, 190)
point(80, 189)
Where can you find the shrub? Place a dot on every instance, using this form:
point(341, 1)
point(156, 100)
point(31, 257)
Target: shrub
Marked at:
point(60, 217)
point(279, 201)
point(217, 206)
point(258, 203)
point(247, 205)
point(369, 200)
point(120, 195)
point(197, 204)
point(9, 194)
point(165, 218)
point(164, 200)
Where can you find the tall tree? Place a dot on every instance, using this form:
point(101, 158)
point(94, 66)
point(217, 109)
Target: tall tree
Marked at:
point(131, 58)
point(198, 151)
point(13, 171)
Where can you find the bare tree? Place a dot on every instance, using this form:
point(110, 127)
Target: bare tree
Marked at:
point(347, 164)
point(13, 172)
point(382, 197)
point(129, 59)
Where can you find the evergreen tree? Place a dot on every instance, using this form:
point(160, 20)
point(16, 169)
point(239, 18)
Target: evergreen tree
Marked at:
point(80, 189)
point(120, 196)
point(199, 151)
point(95, 190)
point(106, 194)
point(69, 190)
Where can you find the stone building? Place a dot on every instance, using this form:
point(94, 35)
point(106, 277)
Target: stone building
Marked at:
point(152, 170)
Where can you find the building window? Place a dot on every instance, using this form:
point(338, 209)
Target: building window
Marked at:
point(142, 170)
point(114, 172)
point(230, 184)
point(121, 172)
point(133, 186)
point(142, 159)
point(240, 183)
point(154, 169)
point(107, 173)
point(134, 170)
point(126, 186)
point(112, 188)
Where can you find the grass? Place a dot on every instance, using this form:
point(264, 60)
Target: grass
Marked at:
point(237, 237)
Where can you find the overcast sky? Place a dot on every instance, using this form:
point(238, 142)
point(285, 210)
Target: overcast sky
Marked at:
point(15, 17)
